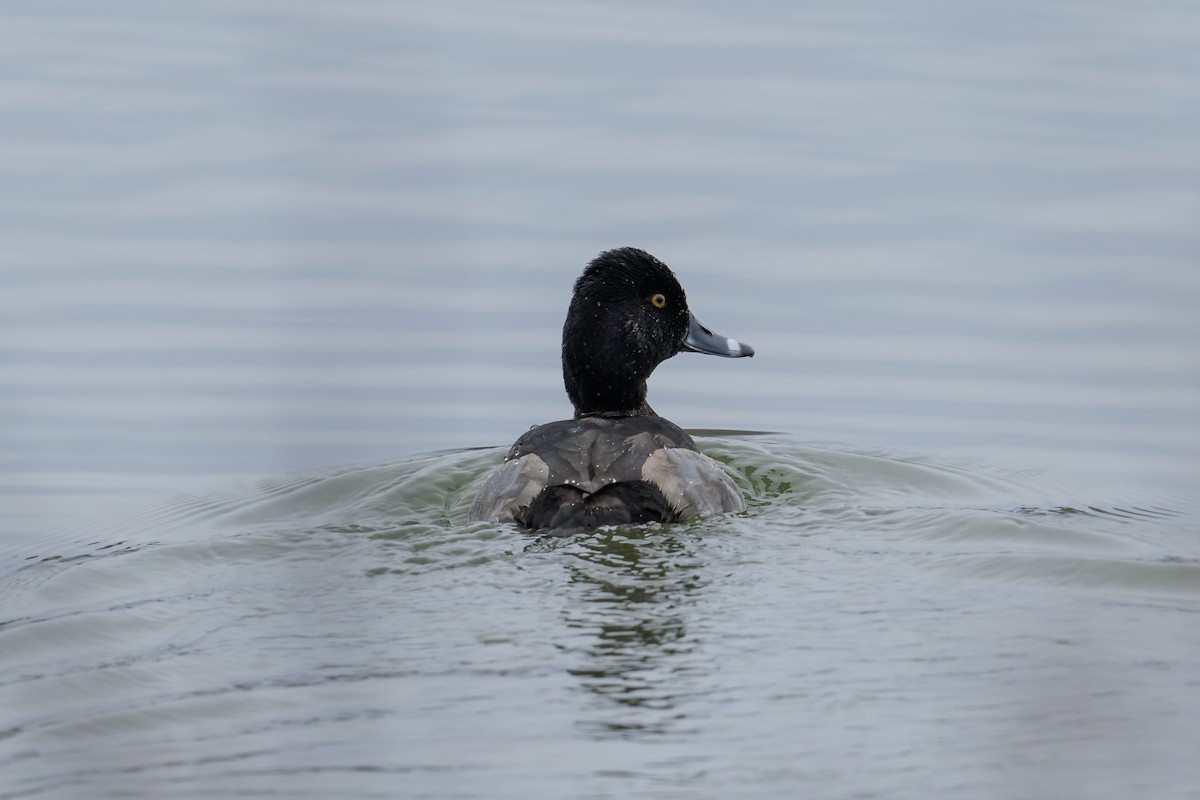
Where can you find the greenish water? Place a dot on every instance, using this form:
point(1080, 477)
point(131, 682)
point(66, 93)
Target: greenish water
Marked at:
point(348, 634)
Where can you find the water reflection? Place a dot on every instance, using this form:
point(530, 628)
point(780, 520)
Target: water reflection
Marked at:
point(636, 638)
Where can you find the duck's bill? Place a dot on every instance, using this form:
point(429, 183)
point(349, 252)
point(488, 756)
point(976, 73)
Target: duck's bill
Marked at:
point(701, 340)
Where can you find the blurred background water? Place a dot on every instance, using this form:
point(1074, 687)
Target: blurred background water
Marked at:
point(247, 246)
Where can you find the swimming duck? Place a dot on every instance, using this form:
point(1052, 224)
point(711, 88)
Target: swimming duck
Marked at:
point(616, 462)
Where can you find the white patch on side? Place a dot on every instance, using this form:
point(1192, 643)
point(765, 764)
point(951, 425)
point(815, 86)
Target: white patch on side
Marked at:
point(510, 489)
point(692, 483)
point(734, 346)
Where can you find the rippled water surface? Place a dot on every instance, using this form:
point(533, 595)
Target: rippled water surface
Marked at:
point(281, 282)
point(869, 617)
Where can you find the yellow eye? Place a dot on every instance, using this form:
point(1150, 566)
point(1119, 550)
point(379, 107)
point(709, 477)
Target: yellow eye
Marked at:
point(658, 301)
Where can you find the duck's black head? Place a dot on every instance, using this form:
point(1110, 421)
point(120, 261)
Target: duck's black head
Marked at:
point(628, 314)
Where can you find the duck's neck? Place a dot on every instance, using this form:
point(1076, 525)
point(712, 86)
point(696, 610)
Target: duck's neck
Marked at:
point(605, 395)
point(644, 410)
point(601, 382)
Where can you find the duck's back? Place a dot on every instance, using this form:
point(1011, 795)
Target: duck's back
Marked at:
point(594, 471)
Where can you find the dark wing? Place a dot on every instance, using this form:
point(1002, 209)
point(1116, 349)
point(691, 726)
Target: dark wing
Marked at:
point(590, 454)
point(594, 452)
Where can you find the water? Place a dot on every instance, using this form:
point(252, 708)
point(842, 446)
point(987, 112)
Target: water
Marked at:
point(871, 626)
point(282, 281)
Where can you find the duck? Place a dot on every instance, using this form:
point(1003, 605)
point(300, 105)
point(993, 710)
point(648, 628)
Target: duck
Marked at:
point(616, 461)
